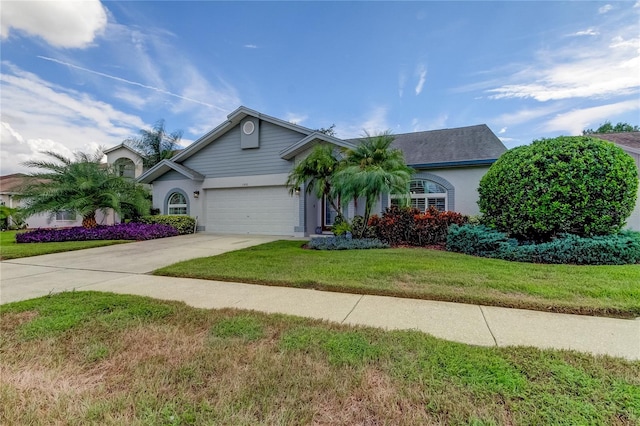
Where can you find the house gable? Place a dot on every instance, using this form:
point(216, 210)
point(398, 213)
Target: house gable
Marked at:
point(165, 166)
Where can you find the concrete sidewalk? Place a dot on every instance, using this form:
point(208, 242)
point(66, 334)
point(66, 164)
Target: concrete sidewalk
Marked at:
point(478, 325)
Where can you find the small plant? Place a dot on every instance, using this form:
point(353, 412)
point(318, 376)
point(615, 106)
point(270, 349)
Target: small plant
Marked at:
point(341, 228)
point(344, 243)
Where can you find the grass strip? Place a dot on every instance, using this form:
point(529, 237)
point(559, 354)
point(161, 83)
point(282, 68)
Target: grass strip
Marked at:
point(99, 358)
point(428, 274)
point(9, 249)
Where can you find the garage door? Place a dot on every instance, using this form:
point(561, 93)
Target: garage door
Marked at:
point(268, 210)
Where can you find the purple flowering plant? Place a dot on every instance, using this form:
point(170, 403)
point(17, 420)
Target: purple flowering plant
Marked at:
point(123, 231)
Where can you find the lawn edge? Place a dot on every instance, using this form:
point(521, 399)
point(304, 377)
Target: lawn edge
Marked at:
point(540, 307)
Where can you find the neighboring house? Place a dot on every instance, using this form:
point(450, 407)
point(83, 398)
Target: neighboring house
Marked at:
point(233, 178)
point(630, 143)
point(10, 188)
point(126, 160)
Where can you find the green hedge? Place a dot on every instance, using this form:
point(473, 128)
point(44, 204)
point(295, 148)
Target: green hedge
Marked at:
point(615, 249)
point(183, 224)
point(568, 185)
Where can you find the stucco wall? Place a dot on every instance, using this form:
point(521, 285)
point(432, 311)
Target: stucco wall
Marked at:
point(634, 220)
point(162, 188)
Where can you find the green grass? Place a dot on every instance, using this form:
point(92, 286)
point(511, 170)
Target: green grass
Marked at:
point(429, 274)
point(9, 249)
point(99, 358)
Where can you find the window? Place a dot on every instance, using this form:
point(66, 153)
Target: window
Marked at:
point(329, 213)
point(424, 194)
point(66, 215)
point(177, 204)
point(125, 168)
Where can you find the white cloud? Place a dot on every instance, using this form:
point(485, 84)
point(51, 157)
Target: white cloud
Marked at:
point(67, 24)
point(295, 118)
point(402, 81)
point(503, 130)
point(578, 72)
point(122, 80)
point(250, 46)
point(421, 72)
point(575, 121)
point(373, 122)
point(38, 115)
point(587, 32)
point(604, 9)
point(525, 115)
point(131, 98)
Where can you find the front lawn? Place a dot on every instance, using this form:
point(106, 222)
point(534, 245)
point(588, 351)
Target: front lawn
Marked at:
point(9, 249)
point(429, 274)
point(99, 358)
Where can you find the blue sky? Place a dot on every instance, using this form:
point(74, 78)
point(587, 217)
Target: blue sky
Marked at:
point(76, 76)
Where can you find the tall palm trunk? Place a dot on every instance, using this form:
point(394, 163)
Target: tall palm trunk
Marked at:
point(89, 221)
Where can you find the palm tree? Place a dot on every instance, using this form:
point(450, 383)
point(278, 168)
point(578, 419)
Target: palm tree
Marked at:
point(83, 186)
point(156, 144)
point(373, 168)
point(317, 171)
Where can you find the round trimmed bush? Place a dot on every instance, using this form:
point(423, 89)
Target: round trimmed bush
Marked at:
point(571, 184)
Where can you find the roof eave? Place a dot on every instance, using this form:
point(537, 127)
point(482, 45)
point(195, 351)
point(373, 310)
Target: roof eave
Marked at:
point(315, 137)
point(447, 164)
point(163, 167)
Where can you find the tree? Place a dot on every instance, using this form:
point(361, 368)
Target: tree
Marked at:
point(329, 131)
point(370, 169)
point(156, 144)
point(316, 171)
point(607, 127)
point(83, 185)
point(571, 184)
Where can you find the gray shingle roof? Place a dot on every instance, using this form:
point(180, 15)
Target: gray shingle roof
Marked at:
point(630, 139)
point(462, 144)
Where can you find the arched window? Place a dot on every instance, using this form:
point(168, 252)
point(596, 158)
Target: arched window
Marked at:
point(125, 168)
point(424, 194)
point(177, 204)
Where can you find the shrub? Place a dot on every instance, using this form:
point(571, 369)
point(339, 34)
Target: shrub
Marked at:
point(344, 243)
point(128, 231)
point(359, 230)
point(341, 228)
point(183, 224)
point(408, 226)
point(577, 185)
point(615, 249)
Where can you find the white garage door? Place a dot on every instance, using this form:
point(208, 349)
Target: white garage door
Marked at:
point(268, 210)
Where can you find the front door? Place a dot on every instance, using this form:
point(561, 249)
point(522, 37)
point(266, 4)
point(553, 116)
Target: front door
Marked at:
point(329, 214)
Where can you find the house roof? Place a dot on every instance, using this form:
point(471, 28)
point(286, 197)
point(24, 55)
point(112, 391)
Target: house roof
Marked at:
point(625, 140)
point(167, 165)
point(461, 146)
point(122, 145)
point(13, 184)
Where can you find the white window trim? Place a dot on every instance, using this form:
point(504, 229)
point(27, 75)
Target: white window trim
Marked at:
point(171, 206)
point(427, 196)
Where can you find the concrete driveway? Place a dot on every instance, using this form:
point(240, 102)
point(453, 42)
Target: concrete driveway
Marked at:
point(36, 276)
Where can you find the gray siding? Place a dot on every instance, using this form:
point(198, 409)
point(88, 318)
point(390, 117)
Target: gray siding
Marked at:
point(225, 157)
point(171, 175)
